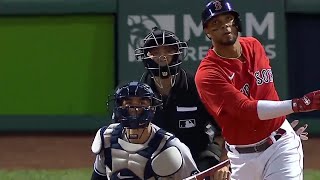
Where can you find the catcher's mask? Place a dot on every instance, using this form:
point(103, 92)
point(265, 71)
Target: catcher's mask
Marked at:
point(162, 38)
point(217, 7)
point(134, 105)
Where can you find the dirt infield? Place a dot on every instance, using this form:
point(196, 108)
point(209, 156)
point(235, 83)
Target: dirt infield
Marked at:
point(46, 151)
point(73, 151)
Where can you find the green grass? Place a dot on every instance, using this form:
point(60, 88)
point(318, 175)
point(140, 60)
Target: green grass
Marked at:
point(311, 174)
point(84, 174)
point(69, 174)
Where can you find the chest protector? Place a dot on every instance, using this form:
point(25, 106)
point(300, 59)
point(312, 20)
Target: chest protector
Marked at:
point(142, 163)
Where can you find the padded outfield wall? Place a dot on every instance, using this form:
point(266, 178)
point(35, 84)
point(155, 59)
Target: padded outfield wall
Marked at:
point(57, 65)
point(60, 60)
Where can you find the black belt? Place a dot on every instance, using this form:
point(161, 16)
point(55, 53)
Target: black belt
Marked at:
point(260, 147)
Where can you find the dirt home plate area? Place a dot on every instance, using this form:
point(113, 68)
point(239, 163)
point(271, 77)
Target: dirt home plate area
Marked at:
point(73, 151)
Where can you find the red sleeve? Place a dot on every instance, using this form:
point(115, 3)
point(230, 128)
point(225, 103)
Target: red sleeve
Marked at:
point(222, 99)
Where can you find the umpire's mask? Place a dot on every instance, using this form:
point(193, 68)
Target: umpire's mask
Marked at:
point(162, 53)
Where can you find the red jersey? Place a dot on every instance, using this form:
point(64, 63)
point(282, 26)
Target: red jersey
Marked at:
point(230, 90)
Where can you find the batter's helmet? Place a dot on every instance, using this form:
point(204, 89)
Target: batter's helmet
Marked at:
point(158, 37)
point(121, 113)
point(217, 7)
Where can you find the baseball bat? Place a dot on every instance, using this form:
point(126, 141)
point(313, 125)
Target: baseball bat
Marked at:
point(209, 171)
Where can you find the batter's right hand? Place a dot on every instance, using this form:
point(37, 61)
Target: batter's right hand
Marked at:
point(308, 102)
point(222, 174)
point(301, 130)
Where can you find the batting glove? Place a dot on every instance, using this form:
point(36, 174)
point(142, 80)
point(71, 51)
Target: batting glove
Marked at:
point(308, 102)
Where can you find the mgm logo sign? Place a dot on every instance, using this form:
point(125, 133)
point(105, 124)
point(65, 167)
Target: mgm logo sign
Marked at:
point(140, 25)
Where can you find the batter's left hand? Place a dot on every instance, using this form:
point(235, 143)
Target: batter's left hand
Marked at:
point(300, 131)
point(222, 174)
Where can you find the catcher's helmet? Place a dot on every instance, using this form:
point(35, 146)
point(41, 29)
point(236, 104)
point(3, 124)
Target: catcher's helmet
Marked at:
point(122, 114)
point(217, 7)
point(158, 37)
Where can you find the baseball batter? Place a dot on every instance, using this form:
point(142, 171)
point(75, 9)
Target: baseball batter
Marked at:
point(236, 84)
point(135, 148)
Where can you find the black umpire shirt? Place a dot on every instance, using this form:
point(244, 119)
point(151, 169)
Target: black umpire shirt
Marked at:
point(183, 114)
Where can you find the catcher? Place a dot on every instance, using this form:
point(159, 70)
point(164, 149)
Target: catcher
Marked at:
point(135, 148)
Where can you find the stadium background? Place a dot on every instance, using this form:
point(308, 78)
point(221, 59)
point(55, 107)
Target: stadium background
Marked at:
point(61, 59)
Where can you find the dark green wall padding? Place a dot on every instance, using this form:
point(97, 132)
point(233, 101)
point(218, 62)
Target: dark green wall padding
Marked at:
point(305, 7)
point(56, 66)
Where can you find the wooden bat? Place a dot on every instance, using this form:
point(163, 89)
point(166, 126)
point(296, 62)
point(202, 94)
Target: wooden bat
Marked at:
point(209, 171)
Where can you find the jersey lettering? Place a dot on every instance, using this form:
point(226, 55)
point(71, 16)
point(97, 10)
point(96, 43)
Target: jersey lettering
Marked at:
point(264, 76)
point(245, 90)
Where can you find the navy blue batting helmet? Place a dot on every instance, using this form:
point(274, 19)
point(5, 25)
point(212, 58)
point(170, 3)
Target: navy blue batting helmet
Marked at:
point(138, 120)
point(217, 7)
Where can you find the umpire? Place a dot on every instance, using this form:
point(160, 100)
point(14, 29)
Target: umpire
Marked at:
point(182, 114)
